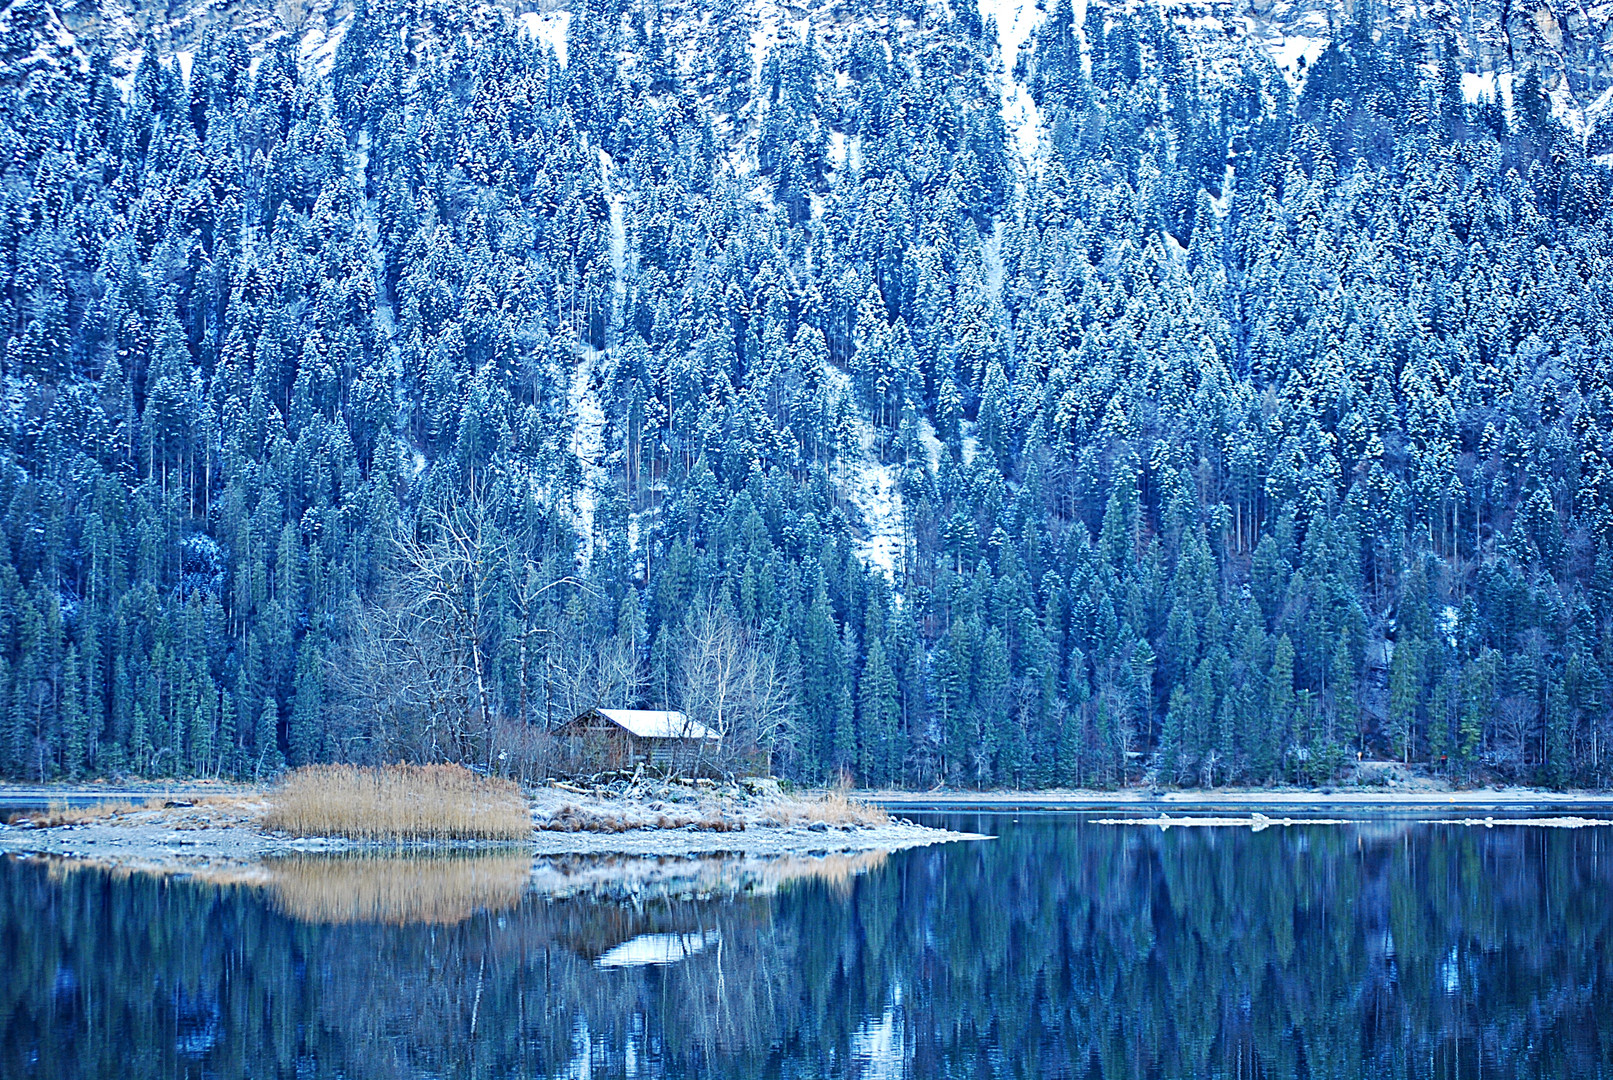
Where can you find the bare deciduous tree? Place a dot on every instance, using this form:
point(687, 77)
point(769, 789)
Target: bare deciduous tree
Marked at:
point(596, 675)
point(730, 682)
point(403, 684)
point(448, 570)
point(417, 673)
point(1516, 722)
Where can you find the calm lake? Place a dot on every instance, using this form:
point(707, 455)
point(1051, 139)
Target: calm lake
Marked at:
point(1063, 948)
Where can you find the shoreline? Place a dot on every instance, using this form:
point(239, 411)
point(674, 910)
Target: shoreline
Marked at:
point(201, 826)
point(244, 844)
point(1406, 798)
point(1285, 800)
point(193, 826)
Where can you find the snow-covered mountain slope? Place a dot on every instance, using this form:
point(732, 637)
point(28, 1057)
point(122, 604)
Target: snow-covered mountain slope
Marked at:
point(1569, 42)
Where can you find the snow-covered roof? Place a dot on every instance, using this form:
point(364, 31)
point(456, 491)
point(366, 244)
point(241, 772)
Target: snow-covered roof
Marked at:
point(657, 724)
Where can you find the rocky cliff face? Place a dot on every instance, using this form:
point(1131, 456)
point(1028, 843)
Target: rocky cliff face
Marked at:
point(1569, 42)
point(61, 33)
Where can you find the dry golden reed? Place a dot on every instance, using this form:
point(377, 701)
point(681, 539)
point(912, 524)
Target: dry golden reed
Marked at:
point(397, 890)
point(398, 802)
point(831, 807)
point(62, 814)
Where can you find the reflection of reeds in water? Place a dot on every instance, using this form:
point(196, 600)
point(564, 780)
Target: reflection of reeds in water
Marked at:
point(396, 889)
point(836, 871)
point(443, 889)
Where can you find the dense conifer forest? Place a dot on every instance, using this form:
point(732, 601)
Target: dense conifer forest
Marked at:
point(400, 407)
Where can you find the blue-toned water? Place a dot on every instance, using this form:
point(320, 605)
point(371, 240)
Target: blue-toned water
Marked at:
point(1063, 948)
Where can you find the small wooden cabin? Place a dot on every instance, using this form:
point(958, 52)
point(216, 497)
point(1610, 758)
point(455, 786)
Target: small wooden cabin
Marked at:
point(622, 738)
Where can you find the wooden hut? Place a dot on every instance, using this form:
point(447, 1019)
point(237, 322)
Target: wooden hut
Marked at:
point(622, 738)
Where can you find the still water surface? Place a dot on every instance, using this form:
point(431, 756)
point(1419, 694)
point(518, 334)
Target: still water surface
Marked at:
point(1062, 948)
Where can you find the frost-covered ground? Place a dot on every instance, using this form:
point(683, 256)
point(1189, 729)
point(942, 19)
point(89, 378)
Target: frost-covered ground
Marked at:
point(655, 819)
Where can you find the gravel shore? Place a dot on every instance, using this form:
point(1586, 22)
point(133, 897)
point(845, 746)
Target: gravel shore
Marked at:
point(148, 843)
point(678, 821)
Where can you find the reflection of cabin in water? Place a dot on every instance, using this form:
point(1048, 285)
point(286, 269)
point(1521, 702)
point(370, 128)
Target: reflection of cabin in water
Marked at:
point(622, 738)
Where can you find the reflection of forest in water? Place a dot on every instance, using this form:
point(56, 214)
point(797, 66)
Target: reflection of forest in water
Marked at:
point(1059, 949)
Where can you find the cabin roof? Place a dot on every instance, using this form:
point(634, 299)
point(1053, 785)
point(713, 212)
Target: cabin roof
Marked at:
point(654, 723)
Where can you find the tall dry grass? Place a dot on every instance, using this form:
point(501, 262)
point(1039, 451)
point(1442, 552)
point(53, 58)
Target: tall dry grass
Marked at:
point(60, 813)
point(830, 807)
point(178, 811)
point(400, 891)
point(398, 802)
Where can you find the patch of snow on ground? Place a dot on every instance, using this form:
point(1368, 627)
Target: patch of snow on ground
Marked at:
point(1222, 206)
point(1024, 120)
point(870, 485)
point(1016, 21)
point(1478, 86)
point(1497, 86)
point(319, 48)
point(1174, 248)
point(549, 28)
point(837, 149)
point(994, 259)
point(762, 39)
point(131, 60)
point(970, 444)
point(618, 227)
point(588, 443)
point(1287, 52)
point(1599, 109)
point(932, 443)
point(1581, 121)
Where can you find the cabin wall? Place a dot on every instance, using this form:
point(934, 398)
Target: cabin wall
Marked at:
point(607, 749)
